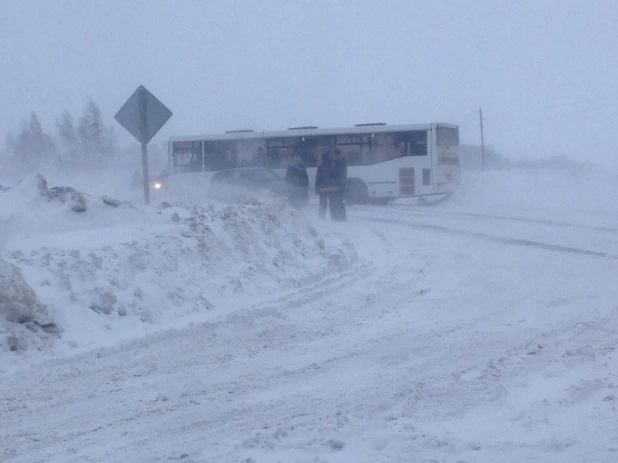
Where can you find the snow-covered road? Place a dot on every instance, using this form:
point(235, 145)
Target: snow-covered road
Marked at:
point(433, 347)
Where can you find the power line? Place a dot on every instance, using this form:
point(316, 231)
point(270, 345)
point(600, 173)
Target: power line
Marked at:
point(589, 105)
point(610, 95)
point(583, 115)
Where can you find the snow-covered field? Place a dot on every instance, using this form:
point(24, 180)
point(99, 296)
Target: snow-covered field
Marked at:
point(480, 329)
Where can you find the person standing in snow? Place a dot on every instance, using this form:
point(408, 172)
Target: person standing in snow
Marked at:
point(298, 183)
point(326, 186)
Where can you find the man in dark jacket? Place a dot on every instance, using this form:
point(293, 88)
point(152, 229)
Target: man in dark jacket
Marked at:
point(326, 186)
point(298, 183)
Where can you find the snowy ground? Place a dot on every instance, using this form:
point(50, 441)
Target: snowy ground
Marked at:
point(481, 329)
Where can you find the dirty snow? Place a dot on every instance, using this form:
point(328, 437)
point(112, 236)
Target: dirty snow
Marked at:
point(480, 329)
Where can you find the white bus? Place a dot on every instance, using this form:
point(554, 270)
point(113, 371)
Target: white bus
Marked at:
point(384, 161)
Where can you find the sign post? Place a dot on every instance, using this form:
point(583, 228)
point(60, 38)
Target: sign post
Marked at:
point(142, 116)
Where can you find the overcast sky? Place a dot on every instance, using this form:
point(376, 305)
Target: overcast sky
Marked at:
point(545, 72)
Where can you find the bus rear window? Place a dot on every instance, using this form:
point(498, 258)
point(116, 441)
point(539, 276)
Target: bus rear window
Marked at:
point(447, 136)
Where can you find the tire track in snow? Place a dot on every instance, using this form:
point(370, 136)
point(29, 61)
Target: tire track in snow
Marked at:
point(493, 238)
point(539, 221)
point(473, 215)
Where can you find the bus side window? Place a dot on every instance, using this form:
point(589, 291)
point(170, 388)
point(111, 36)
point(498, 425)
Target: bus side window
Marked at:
point(309, 157)
point(250, 153)
point(275, 158)
point(187, 156)
point(279, 151)
point(354, 156)
point(307, 150)
point(355, 148)
point(386, 147)
point(417, 142)
point(259, 158)
point(230, 155)
point(325, 144)
point(210, 160)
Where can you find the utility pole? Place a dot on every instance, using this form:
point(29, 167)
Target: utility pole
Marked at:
point(482, 139)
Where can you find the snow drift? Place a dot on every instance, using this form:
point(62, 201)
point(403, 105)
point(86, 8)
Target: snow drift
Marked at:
point(79, 266)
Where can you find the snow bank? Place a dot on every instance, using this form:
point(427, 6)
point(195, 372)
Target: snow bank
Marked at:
point(20, 306)
point(106, 269)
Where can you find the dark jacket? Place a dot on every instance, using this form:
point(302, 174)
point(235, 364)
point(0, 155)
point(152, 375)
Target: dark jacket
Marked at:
point(326, 175)
point(296, 176)
point(341, 173)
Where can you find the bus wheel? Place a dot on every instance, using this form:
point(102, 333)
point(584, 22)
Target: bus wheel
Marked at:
point(379, 201)
point(356, 191)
